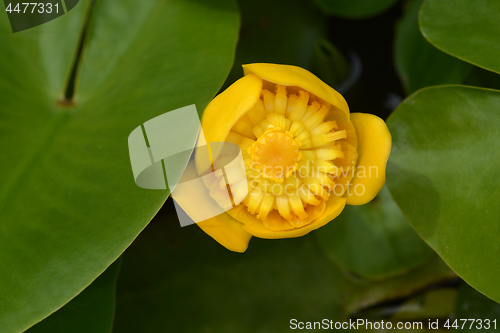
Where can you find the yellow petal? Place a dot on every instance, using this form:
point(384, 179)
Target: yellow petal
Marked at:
point(334, 207)
point(227, 232)
point(240, 213)
point(227, 108)
point(287, 75)
point(374, 146)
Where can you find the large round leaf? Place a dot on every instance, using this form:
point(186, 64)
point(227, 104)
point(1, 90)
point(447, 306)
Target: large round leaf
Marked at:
point(420, 64)
point(443, 174)
point(466, 29)
point(69, 205)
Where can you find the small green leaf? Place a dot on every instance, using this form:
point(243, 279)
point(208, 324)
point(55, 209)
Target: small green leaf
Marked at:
point(468, 30)
point(91, 311)
point(355, 9)
point(420, 64)
point(443, 174)
point(374, 241)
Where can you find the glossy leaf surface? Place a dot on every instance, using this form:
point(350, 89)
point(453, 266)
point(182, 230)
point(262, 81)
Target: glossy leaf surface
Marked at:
point(468, 30)
point(419, 63)
point(69, 205)
point(443, 174)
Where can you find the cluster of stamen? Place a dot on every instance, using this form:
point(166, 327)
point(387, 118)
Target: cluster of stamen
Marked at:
point(289, 148)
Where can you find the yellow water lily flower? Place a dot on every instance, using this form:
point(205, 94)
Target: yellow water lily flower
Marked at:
point(305, 155)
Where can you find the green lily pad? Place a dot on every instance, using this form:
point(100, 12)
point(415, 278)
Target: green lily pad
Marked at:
point(443, 174)
point(355, 9)
point(91, 311)
point(468, 30)
point(420, 64)
point(68, 202)
point(374, 241)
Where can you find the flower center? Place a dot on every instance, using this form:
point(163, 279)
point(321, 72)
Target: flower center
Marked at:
point(275, 154)
point(293, 155)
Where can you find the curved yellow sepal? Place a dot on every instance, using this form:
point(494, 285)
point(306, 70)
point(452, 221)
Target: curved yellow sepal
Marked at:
point(374, 146)
point(227, 232)
point(333, 208)
point(229, 106)
point(295, 76)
